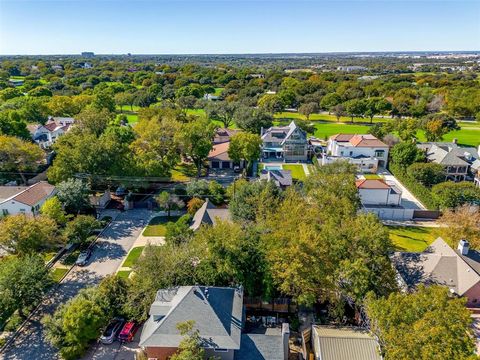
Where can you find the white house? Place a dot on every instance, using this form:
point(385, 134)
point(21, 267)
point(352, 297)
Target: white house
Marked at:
point(24, 199)
point(46, 135)
point(365, 151)
point(378, 192)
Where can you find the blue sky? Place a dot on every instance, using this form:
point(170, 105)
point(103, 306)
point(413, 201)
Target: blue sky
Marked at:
point(232, 26)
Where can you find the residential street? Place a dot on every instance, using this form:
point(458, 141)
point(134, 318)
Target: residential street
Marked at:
point(108, 254)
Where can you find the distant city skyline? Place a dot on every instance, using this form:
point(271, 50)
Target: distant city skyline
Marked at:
point(236, 27)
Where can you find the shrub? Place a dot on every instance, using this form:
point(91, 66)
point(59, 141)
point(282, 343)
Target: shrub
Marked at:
point(193, 205)
point(427, 174)
point(450, 195)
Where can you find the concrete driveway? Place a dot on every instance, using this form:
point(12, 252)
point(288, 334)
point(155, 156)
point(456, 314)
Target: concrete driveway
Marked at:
point(408, 201)
point(110, 250)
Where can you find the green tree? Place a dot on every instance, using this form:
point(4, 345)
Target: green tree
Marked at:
point(12, 123)
point(190, 347)
point(93, 120)
point(355, 107)
point(252, 120)
point(450, 195)
point(405, 154)
point(103, 100)
point(79, 228)
point(427, 324)
point(462, 222)
point(169, 202)
point(428, 174)
point(196, 138)
point(23, 282)
point(75, 324)
point(52, 208)
point(179, 231)
point(73, 194)
point(222, 111)
point(156, 148)
point(271, 103)
point(22, 234)
point(375, 106)
point(245, 146)
point(19, 156)
point(308, 109)
point(329, 101)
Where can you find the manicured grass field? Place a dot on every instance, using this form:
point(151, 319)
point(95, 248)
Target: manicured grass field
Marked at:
point(184, 172)
point(412, 238)
point(133, 256)
point(157, 226)
point(372, 176)
point(297, 171)
point(58, 273)
point(289, 116)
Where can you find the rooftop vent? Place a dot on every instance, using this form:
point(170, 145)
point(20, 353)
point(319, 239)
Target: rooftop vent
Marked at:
point(463, 247)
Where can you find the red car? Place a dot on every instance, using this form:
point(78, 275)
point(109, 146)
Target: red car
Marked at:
point(128, 332)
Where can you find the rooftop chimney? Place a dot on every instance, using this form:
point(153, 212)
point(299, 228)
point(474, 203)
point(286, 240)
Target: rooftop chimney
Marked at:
point(463, 247)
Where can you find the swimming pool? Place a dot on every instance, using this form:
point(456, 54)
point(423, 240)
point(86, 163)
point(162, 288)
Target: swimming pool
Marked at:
point(272, 167)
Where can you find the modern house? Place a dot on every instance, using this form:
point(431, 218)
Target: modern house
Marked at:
point(365, 151)
point(281, 178)
point(285, 143)
point(46, 135)
point(217, 313)
point(24, 199)
point(343, 343)
point(209, 214)
point(439, 264)
point(378, 192)
point(460, 163)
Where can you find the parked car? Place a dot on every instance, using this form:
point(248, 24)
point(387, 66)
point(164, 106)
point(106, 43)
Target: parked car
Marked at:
point(237, 169)
point(83, 257)
point(112, 331)
point(128, 332)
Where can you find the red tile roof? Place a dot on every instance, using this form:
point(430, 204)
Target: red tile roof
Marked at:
point(219, 149)
point(35, 193)
point(359, 140)
point(371, 184)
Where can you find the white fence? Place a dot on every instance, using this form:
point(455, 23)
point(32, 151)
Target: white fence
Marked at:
point(390, 213)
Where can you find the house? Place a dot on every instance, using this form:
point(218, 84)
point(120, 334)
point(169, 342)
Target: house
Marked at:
point(209, 214)
point(218, 157)
point(16, 82)
point(46, 135)
point(351, 68)
point(281, 178)
point(223, 135)
point(365, 151)
point(211, 97)
point(217, 313)
point(285, 143)
point(24, 199)
point(378, 192)
point(439, 264)
point(460, 163)
point(343, 343)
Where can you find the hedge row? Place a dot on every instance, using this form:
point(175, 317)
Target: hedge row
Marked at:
point(420, 191)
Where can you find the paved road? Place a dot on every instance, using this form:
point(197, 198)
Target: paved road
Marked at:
point(110, 249)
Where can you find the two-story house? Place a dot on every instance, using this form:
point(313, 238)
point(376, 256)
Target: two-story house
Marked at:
point(46, 135)
point(460, 163)
point(285, 143)
point(218, 315)
point(365, 151)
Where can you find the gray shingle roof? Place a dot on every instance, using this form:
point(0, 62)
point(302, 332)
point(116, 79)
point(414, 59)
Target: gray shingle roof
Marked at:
point(208, 214)
point(260, 347)
point(279, 177)
point(216, 311)
point(279, 134)
point(438, 264)
point(449, 153)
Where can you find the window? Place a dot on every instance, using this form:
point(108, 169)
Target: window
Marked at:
point(379, 153)
point(221, 350)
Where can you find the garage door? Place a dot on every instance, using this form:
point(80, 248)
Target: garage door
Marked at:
point(215, 165)
point(225, 164)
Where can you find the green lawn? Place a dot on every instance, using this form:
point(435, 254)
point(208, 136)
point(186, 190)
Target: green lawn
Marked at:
point(297, 171)
point(372, 176)
point(133, 256)
point(58, 273)
point(124, 274)
point(412, 238)
point(157, 227)
point(184, 172)
point(289, 116)
point(218, 91)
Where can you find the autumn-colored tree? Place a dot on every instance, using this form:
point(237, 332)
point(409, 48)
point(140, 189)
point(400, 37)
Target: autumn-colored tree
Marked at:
point(462, 222)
